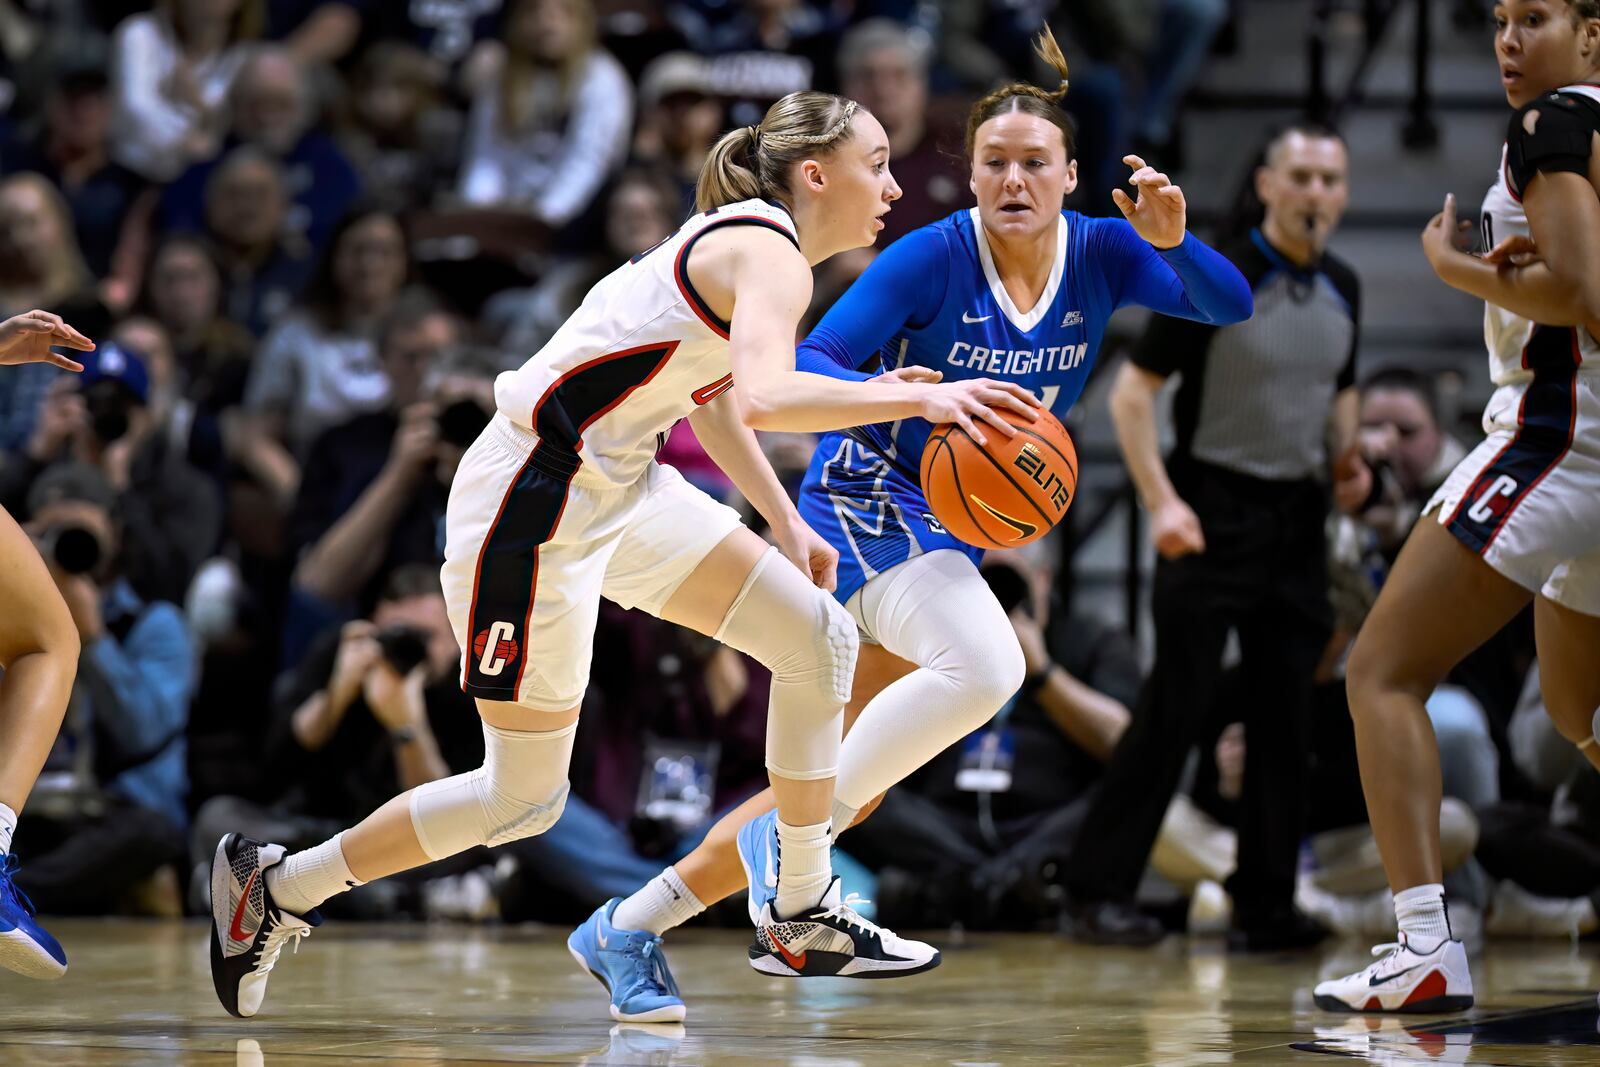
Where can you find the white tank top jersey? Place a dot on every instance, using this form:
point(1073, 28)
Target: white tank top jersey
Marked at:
point(641, 352)
point(1507, 334)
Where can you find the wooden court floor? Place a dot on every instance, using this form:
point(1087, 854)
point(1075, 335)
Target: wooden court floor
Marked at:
point(140, 993)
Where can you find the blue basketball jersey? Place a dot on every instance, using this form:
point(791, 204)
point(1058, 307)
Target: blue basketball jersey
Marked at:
point(935, 299)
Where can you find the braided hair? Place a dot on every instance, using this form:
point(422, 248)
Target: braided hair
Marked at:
point(753, 162)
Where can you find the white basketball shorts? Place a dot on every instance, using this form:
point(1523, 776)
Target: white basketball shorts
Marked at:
point(529, 554)
point(1528, 498)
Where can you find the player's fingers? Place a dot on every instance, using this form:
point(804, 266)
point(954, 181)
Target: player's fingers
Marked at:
point(993, 417)
point(964, 421)
point(1015, 390)
point(67, 337)
point(1123, 202)
point(1153, 177)
point(64, 363)
point(1133, 161)
point(1025, 407)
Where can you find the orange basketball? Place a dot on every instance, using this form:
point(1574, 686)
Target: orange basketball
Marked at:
point(1006, 493)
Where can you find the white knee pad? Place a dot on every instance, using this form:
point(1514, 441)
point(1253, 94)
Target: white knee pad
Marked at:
point(520, 791)
point(809, 643)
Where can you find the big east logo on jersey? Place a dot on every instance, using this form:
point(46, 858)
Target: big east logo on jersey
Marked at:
point(495, 647)
point(1031, 462)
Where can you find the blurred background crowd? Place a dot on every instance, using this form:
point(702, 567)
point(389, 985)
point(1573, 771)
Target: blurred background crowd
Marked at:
point(307, 234)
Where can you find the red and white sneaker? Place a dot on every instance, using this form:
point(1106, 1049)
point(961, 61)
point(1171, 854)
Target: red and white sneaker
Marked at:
point(1403, 980)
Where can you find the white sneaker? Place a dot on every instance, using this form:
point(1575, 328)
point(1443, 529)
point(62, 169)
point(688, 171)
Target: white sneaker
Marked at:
point(834, 939)
point(1403, 980)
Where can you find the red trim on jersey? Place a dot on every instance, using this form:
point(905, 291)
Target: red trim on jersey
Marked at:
point(707, 393)
point(680, 268)
point(669, 346)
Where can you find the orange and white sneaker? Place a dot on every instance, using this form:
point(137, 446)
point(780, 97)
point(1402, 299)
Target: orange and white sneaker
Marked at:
point(1403, 980)
point(834, 939)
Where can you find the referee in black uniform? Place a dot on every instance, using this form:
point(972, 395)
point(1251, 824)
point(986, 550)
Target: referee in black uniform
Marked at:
point(1237, 517)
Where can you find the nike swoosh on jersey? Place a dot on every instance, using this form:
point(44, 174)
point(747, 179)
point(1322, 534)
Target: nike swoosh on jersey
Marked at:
point(969, 320)
point(1024, 529)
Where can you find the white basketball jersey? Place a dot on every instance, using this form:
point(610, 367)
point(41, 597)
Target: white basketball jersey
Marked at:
point(1505, 333)
point(640, 353)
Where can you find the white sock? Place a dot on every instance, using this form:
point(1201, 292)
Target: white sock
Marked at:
point(660, 904)
point(804, 867)
point(8, 823)
point(1421, 915)
point(305, 879)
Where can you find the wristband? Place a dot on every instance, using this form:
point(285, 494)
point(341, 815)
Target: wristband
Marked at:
point(1035, 682)
point(403, 736)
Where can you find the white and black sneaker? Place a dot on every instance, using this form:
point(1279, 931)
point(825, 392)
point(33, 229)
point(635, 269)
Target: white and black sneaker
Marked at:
point(248, 930)
point(833, 939)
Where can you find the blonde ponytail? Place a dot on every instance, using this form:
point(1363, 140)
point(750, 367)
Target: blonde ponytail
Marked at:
point(753, 162)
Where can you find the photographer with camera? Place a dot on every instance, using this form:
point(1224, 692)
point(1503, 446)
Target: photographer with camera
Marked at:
point(375, 487)
point(109, 811)
point(170, 513)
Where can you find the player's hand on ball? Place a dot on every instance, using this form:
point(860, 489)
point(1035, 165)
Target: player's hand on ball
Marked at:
point(1175, 529)
point(27, 338)
point(816, 559)
point(1159, 214)
point(922, 375)
point(977, 400)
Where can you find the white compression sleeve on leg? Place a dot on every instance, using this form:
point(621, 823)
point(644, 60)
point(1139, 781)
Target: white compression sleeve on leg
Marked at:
point(519, 792)
point(936, 611)
point(808, 642)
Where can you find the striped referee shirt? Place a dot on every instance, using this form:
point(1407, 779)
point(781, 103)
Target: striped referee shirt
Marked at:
point(1254, 397)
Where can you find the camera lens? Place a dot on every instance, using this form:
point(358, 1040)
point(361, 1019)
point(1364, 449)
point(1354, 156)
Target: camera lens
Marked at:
point(462, 422)
point(75, 549)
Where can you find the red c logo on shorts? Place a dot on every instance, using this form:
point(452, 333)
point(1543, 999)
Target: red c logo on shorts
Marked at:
point(495, 647)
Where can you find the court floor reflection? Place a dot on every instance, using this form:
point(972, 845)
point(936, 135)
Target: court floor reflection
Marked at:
point(140, 993)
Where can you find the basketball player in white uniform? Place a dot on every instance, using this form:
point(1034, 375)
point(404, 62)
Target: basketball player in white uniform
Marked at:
point(1519, 518)
point(561, 502)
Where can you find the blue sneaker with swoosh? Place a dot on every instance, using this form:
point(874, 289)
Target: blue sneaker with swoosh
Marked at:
point(25, 946)
point(632, 967)
point(758, 851)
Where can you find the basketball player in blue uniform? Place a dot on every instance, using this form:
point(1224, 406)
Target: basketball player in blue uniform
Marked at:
point(1017, 290)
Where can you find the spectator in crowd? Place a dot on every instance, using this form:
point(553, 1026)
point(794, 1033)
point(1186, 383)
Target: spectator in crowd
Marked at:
point(316, 31)
point(551, 125)
point(110, 809)
point(319, 366)
point(170, 72)
point(400, 136)
point(679, 120)
point(376, 487)
point(169, 513)
point(457, 36)
point(72, 148)
point(807, 32)
point(1183, 32)
point(981, 834)
point(884, 65)
point(372, 709)
point(270, 105)
point(264, 269)
point(641, 210)
point(183, 293)
point(40, 267)
point(1245, 483)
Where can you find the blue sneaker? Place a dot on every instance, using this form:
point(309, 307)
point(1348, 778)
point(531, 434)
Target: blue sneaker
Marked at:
point(632, 967)
point(25, 946)
point(758, 851)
